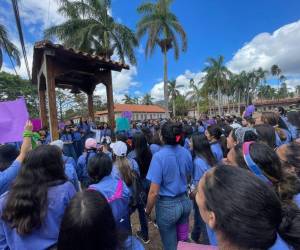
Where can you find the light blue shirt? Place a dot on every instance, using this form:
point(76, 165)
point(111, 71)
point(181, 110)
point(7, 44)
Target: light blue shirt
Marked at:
point(71, 174)
point(170, 168)
point(45, 236)
point(8, 175)
point(200, 166)
point(154, 148)
point(217, 151)
point(108, 187)
point(132, 243)
point(81, 168)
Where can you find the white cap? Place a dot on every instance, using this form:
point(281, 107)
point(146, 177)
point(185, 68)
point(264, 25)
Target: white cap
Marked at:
point(119, 148)
point(58, 143)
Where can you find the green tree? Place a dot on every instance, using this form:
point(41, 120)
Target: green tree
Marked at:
point(13, 86)
point(64, 100)
point(164, 30)
point(181, 105)
point(8, 47)
point(276, 71)
point(147, 99)
point(196, 93)
point(128, 100)
point(216, 77)
point(90, 28)
point(174, 92)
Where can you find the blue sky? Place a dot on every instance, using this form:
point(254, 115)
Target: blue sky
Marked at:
point(249, 33)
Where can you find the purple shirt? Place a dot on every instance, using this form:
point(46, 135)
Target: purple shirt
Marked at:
point(45, 236)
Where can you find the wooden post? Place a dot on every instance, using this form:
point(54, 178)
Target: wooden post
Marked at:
point(50, 81)
point(43, 110)
point(110, 100)
point(91, 106)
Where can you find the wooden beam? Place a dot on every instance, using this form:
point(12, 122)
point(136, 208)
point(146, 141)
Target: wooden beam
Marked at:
point(91, 106)
point(42, 107)
point(50, 80)
point(110, 100)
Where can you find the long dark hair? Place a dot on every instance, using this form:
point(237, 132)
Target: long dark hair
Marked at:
point(143, 153)
point(99, 167)
point(201, 148)
point(247, 211)
point(285, 184)
point(217, 133)
point(266, 134)
point(88, 223)
point(26, 204)
point(8, 153)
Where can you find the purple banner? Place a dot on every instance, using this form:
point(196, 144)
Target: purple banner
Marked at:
point(37, 124)
point(127, 114)
point(13, 116)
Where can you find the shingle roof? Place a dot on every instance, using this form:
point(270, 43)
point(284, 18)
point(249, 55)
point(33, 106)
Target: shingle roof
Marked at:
point(137, 108)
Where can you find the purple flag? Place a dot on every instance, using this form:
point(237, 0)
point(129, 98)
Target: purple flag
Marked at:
point(13, 116)
point(127, 114)
point(37, 124)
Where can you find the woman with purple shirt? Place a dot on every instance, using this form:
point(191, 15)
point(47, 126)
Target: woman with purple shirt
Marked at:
point(168, 173)
point(32, 209)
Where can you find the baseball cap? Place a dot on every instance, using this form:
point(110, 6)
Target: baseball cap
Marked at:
point(119, 148)
point(90, 143)
point(58, 143)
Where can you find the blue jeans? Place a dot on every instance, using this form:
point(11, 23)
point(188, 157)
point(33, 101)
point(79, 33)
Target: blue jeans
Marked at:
point(172, 213)
point(199, 227)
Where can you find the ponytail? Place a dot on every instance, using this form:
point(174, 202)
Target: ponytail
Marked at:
point(289, 229)
point(125, 169)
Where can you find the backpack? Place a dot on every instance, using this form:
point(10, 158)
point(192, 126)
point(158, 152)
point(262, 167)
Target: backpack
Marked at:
point(139, 196)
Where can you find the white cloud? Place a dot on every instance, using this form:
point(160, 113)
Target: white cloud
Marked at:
point(157, 91)
point(282, 47)
point(41, 13)
point(292, 83)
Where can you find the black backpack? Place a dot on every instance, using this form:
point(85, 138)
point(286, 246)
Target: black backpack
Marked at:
point(139, 196)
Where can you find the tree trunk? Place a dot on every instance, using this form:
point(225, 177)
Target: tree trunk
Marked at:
point(198, 109)
point(174, 107)
point(239, 105)
point(219, 100)
point(166, 94)
point(228, 106)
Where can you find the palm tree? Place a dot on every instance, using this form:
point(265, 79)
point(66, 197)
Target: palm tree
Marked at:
point(147, 99)
point(196, 94)
point(164, 30)
point(217, 75)
point(8, 47)
point(276, 71)
point(90, 28)
point(173, 92)
point(127, 99)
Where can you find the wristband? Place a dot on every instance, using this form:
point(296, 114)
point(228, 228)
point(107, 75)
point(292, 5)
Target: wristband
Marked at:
point(27, 133)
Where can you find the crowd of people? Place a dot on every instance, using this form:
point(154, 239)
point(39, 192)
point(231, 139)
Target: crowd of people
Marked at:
point(235, 178)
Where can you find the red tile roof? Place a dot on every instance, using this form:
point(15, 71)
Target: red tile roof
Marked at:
point(136, 108)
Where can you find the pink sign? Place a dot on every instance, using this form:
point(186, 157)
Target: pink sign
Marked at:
point(192, 246)
point(37, 124)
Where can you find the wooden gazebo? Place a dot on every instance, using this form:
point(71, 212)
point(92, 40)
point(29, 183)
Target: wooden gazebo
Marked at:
point(55, 66)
